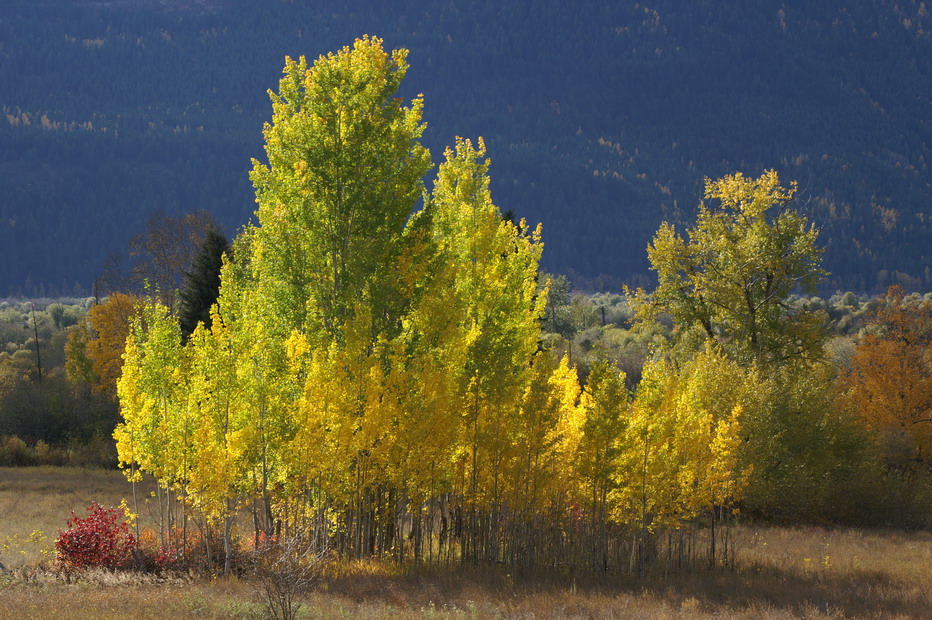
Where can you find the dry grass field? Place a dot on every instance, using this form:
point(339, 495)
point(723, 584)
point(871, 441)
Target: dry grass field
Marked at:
point(35, 503)
point(781, 573)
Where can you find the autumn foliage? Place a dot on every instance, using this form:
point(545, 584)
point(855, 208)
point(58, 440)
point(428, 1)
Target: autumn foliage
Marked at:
point(373, 376)
point(889, 383)
point(373, 373)
point(95, 347)
point(100, 539)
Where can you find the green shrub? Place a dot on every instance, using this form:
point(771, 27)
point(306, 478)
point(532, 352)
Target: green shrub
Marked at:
point(14, 452)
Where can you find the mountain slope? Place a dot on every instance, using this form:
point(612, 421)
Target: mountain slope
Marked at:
point(601, 121)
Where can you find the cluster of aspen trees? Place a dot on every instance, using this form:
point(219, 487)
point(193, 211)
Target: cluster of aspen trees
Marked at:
point(373, 373)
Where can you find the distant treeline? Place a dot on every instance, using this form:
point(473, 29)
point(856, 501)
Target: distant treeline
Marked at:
point(67, 414)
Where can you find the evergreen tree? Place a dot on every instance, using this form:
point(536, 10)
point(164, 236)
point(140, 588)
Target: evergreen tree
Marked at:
point(202, 283)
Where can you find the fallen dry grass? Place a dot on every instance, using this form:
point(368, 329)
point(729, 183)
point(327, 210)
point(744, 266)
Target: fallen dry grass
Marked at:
point(781, 573)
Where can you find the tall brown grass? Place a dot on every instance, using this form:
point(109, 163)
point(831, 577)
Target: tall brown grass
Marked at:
point(780, 573)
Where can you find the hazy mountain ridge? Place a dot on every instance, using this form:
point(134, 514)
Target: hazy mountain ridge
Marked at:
point(601, 120)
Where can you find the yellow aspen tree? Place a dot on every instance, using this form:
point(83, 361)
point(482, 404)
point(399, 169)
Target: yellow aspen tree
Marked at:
point(147, 393)
point(320, 454)
point(605, 406)
point(707, 410)
point(539, 473)
point(547, 433)
point(218, 481)
point(148, 437)
point(498, 305)
point(344, 171)
point(253, 345)
point(429, 358)
point(423, 402)
point(646, 493)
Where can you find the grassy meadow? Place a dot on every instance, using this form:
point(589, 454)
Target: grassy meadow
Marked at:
point(35, 503)
point(781, 573)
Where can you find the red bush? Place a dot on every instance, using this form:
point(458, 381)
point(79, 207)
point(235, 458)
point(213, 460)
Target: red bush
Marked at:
point(157, 557)
point(102, 538)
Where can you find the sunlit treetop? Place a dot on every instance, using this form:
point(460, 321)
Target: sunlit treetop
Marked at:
point(732, 275)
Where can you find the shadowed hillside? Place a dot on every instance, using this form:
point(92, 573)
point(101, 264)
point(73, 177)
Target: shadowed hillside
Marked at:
point(602, 119)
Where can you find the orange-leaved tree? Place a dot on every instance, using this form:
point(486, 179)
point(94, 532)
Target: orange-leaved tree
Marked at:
point(95, 347)
point(890, 380)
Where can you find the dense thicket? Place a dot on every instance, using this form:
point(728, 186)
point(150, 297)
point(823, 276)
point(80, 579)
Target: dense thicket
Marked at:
point(604, 118)
point(375, 375)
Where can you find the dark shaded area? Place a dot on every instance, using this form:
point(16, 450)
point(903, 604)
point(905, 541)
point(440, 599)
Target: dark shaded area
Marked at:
point(202, 283)
point(602, 119)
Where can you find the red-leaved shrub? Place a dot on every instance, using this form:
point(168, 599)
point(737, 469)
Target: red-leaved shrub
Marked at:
point(102, 538)
point(157, 557)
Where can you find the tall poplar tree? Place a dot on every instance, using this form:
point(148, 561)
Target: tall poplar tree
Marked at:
point(344, 171)
point(492, 267)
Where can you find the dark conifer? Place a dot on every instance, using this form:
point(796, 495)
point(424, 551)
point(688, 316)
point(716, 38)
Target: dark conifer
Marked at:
point(202, 282)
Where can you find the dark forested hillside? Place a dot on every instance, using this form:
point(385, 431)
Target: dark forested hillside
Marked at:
point(602, 118)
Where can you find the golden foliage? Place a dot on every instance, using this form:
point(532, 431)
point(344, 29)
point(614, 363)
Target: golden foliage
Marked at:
point(889, 383)
point(95, 348)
